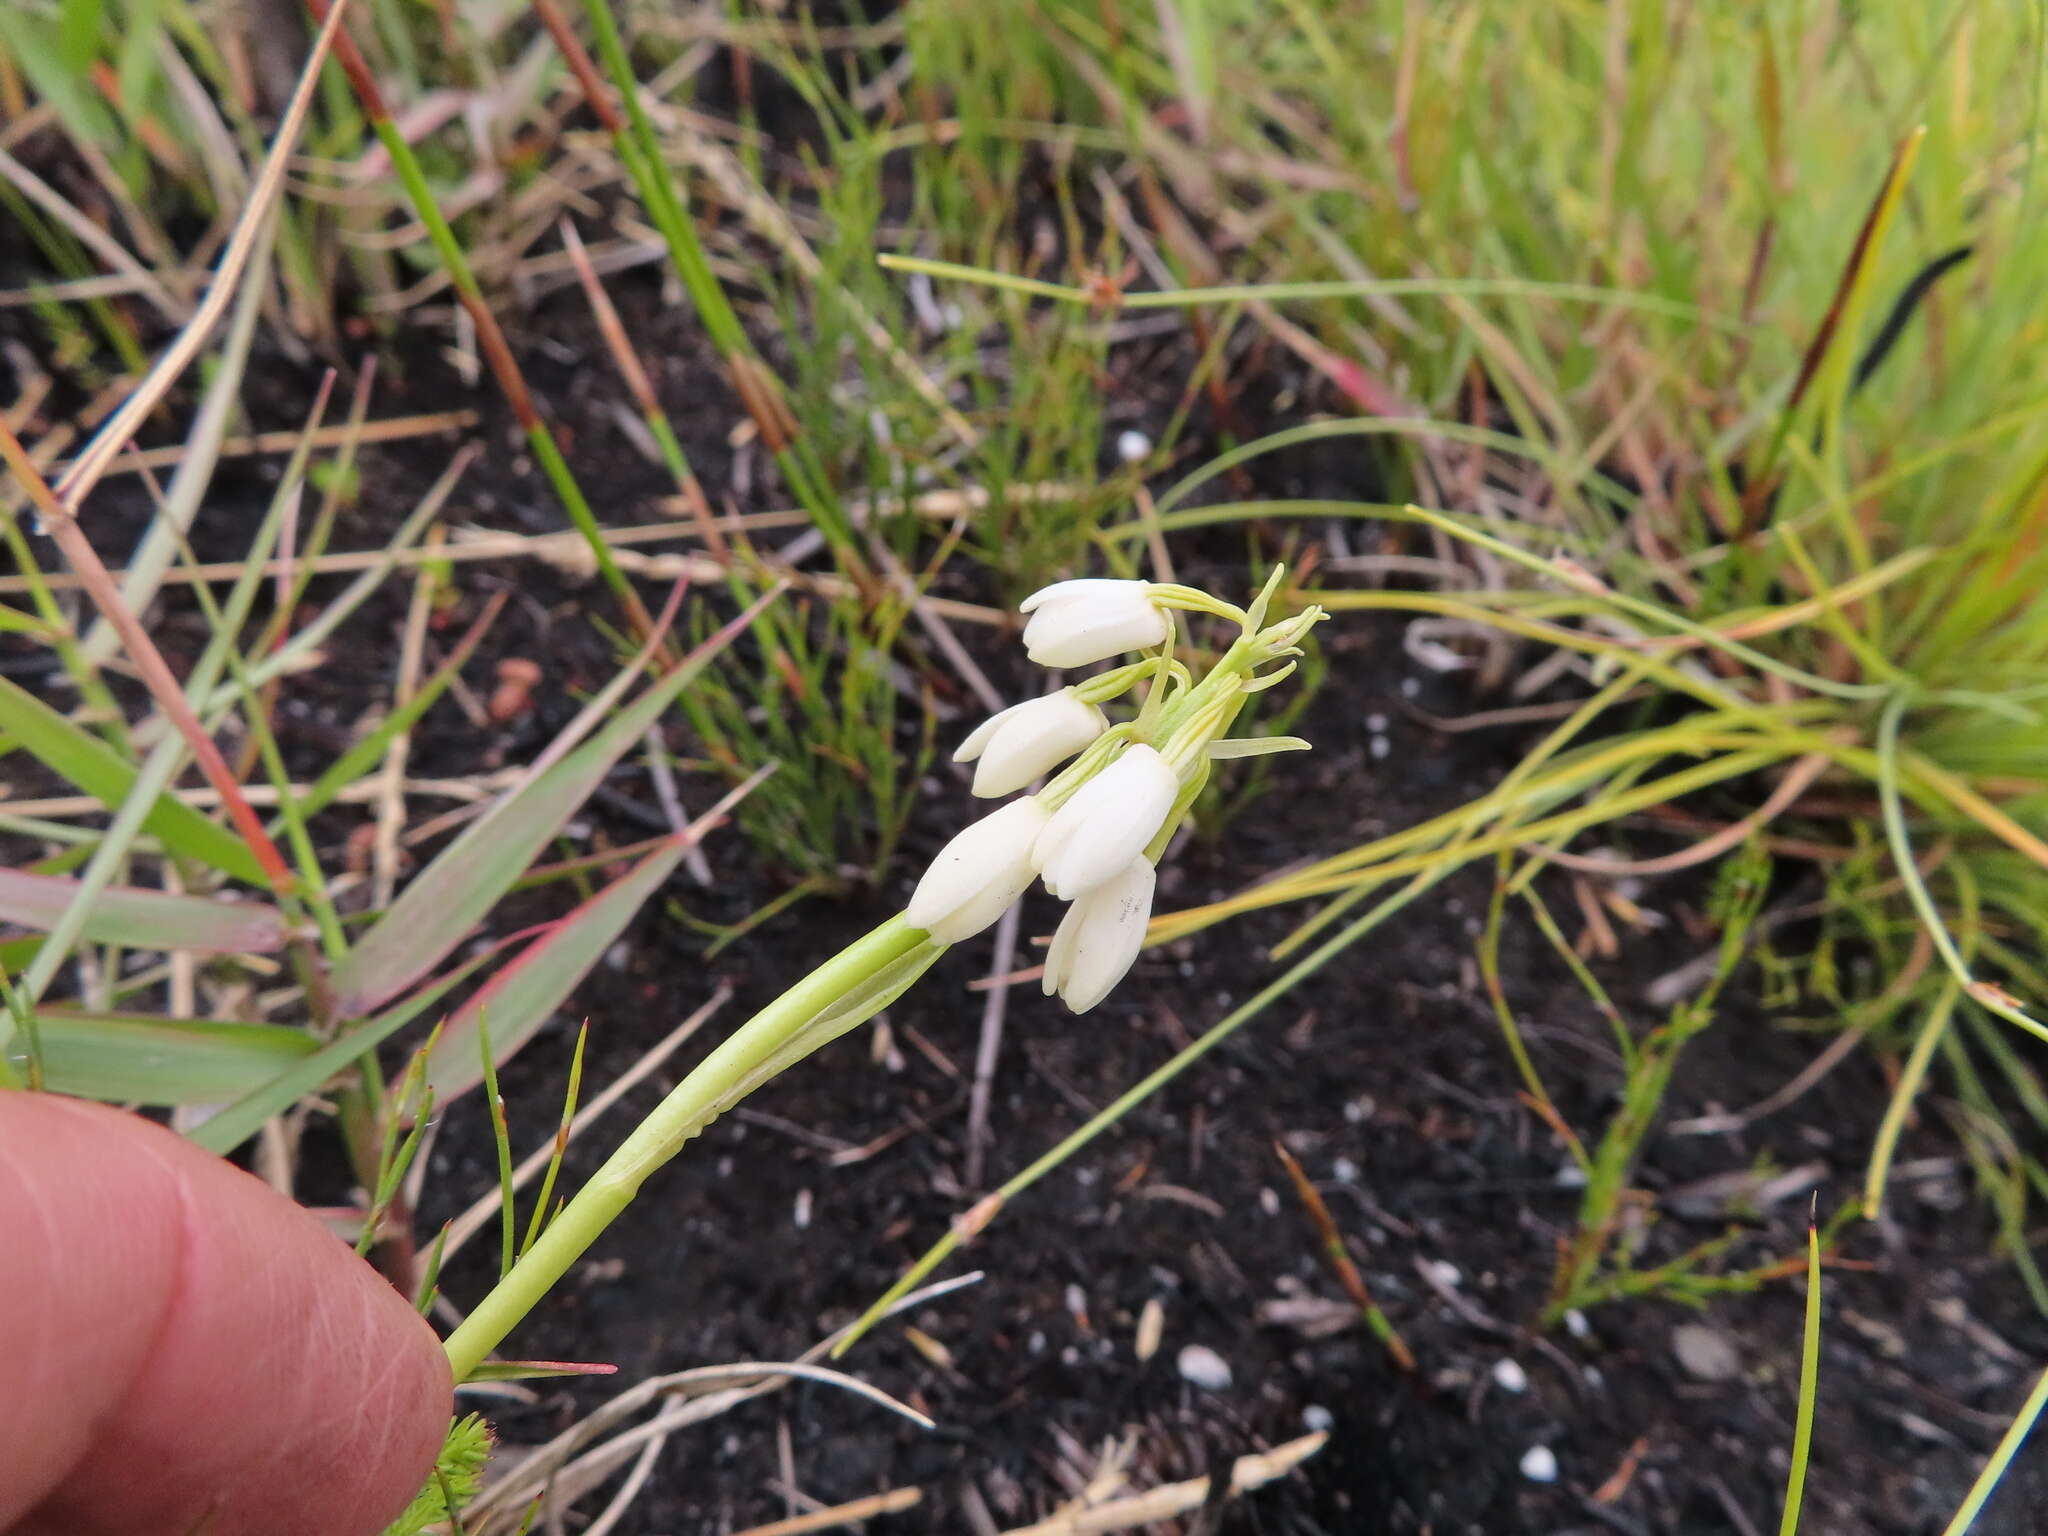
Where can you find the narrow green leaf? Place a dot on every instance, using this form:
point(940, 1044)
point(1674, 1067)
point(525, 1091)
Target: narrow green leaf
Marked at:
point(522, 996)
point(79, 33)
point(452, 894)
point(39, 43)
point(1809, 1390)
point(143, 1059)
point(527, 1370)
point(2008, 1447)
point(92, 765)
point(144, 919)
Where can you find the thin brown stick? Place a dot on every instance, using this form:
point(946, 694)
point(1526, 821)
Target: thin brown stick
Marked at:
point(156, 673)
point(390, 781)
point(561, 548)
point(1172, 1499)
point(581, 65)
point(85, 472)
point(989, 1049)
point(95, 239)
point(893, 1502)
point(1339, 1260)
point(392, 429)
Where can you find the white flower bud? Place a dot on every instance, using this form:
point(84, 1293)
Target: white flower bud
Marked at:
point(1108, 822)
point(1099, 937)
point(1076, 622)
point(1020, 743)
point(979, 873)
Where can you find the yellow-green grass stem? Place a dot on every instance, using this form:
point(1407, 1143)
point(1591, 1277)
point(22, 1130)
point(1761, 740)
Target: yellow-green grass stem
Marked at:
point(2001, 1458)
point(840, 994)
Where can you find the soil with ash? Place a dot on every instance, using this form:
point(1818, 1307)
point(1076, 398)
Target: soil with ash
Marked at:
point(1386, 1075)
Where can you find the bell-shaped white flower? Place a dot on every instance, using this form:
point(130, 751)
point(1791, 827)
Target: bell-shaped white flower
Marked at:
point(1074, 623)
point(1018, 744)
point(1107, 823)
point(1100, 937)
point(979, 873)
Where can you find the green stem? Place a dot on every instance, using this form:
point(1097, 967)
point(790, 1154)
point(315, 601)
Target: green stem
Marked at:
point(442, 237)
point(846, 990)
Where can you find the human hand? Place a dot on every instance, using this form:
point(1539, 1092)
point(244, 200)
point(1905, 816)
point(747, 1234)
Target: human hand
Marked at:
point(183, 1350)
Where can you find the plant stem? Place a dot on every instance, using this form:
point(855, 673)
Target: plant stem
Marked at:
point(847, 989)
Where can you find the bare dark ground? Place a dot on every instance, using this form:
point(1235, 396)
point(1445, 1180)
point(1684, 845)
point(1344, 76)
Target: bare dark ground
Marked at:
point(1386, 1075)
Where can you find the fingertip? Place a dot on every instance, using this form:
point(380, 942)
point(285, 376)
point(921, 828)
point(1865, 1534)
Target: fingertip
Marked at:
point(274, 1382)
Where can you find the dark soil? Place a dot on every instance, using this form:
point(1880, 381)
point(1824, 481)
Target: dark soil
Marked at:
point(1386, 1075)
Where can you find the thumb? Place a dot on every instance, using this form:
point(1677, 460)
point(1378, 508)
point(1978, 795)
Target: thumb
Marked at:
point(183, 1348)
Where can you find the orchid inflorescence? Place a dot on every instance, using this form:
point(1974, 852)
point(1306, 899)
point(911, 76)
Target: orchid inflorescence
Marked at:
point(1096, 831)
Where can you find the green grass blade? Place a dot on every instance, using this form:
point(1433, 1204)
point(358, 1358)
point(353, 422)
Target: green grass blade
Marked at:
point(142, 1059)
point(194, 476)
point(143, 919)
point(1809, 1390)
point(86, 761)
point(527, 990)
point(1994, 1469)
point(450, 897)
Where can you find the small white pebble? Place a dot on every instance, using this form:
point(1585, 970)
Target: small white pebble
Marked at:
point(1203, 1367)
point(1077, 1302)
point(1539, 1464)
point(1509, 1376)
point(1132, 445)
point(1575, 1323)
point(1344, 1171)
point(1036, 1343)
point(1570, 1176)
point(803, 1209)
point(619, 956)
point(1445, 1272)
point(1410, 686)
point(1358, 1111)
point(1376, 723)
point(1317, 1419)
point(1269, 1202)
point(1378, 747)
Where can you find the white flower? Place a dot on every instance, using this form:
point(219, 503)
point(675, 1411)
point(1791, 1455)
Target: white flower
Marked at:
point(979, 873)
point(1076, 622)
point(1108, 822)
point(1018, 744)
point(1099, 938)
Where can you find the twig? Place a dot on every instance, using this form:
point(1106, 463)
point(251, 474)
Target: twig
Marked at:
point(1171, 1499)
point(1339, 1260)
point(85, 472)
point(391, 781)
point(392, 429)
point(991, 1046)
point(893, 1502)
point(95, 239)
point(475, 789)
point(562, 548)
point(615, 1511)
point(62, 526)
